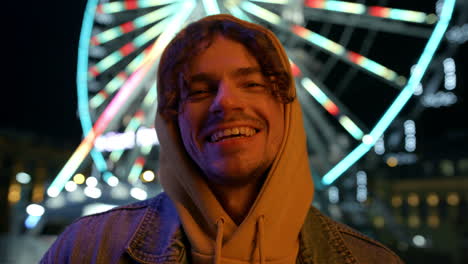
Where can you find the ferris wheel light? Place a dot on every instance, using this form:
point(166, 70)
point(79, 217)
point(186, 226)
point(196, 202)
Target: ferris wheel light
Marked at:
point(92, 192)
point(79, 178)
point(148, 176)
point(113, 181)
point(367, 139)
point(35, 210)
point(261, 12)
point(70, 186)
point(23, 178)
point(211, 7)
point(179, 17)
point(91, 181)
point(53, 191)
point(138, 193)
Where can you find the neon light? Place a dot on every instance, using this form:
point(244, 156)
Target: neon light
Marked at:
point(237, 12)
point(402, 98)
point(406, 15)
point(136, 170)
point(335, 48)
point(314, 91)
point(114, 7)
point(296, 72)
point(98, 99)
point(85, 147)
point(82, 79)
point(345, 7)
point(331, 108)
point(151, 97)
point(280, 2)
point(211, 7)
point(351, 127)
point(138, 42)
point(139, 22)
point(315, 3)
point(377, 11)
point(318, 40)
point(372, 66)
point(261, 12)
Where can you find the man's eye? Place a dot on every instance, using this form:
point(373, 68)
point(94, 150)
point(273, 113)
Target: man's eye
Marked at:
point(253, 84)
point(198, 94)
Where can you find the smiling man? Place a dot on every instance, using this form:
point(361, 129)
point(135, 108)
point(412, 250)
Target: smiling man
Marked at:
point(233, 165)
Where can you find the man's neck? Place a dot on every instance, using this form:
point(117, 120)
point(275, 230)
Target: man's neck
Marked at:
point(236, 201)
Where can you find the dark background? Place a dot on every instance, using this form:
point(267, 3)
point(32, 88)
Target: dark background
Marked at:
point(39, 98)
point(39, 95)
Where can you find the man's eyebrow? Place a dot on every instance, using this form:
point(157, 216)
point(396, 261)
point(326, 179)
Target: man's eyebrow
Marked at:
point(201, 77)
point(239, 72)
point(242, 72)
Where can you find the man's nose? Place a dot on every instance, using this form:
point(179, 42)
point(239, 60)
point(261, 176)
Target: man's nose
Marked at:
point(227, 98)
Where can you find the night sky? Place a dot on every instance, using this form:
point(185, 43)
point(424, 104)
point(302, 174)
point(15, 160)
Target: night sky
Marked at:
point(40, 95)
point(43, 57)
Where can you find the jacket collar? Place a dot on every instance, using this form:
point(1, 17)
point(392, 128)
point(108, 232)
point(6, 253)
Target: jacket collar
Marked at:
point(321, 241)
point(159, 237)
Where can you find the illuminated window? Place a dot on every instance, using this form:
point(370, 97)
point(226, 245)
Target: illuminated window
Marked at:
point(392, 162)
point(413, 199)
point(432, 199)
point(414, 221)
point(397, 201)
point(447, 168)
point(453, 199)
point(379, 221)
point(433, 221)
point(79, 178)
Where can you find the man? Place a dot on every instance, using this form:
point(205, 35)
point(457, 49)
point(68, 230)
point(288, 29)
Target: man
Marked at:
point(233, 164)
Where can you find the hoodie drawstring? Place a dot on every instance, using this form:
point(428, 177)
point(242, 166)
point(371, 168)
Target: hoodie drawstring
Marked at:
point(260, 236)
point(219, 239)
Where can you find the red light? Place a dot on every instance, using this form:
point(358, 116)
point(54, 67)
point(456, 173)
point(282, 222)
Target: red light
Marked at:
point(378, 11)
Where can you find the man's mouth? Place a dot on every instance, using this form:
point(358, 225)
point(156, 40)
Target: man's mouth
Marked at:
point(230, 133)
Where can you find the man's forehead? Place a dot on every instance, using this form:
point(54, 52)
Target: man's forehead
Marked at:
point(234, 73)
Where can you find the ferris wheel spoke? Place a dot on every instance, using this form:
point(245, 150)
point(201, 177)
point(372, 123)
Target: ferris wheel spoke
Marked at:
point(333, 106)
point(116, 7)
point(118, 80)
point(335, 49)
point(141, 117)
point(350, 57)
point(279, 2)
point(130, 26)
point(211, 7)
point(372, 11)
point(371, 23)
point(136, 169)
point(236, 11)
point(129, 48)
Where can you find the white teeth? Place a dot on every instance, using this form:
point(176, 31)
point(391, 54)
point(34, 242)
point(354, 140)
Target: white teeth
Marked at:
point(241, 131)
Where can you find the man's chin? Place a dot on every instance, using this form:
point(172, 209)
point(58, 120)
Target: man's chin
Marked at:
point(234, 178)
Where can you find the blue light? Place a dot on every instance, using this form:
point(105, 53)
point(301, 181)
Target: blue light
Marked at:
point(82, 79)
point(31, 221)
point(401, 99)
point(211, 7)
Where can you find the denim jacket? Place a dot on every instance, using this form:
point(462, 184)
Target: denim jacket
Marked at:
point(150, 232)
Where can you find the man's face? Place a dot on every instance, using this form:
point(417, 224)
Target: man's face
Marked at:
point(230, 123)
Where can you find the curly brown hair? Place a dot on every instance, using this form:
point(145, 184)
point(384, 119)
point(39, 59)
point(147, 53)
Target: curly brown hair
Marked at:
point(196, 38)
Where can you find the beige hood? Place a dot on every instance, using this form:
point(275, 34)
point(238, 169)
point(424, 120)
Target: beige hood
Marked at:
point(270, 231)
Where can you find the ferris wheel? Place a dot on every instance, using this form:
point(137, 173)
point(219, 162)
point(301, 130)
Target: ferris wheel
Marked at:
point(339, 51)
